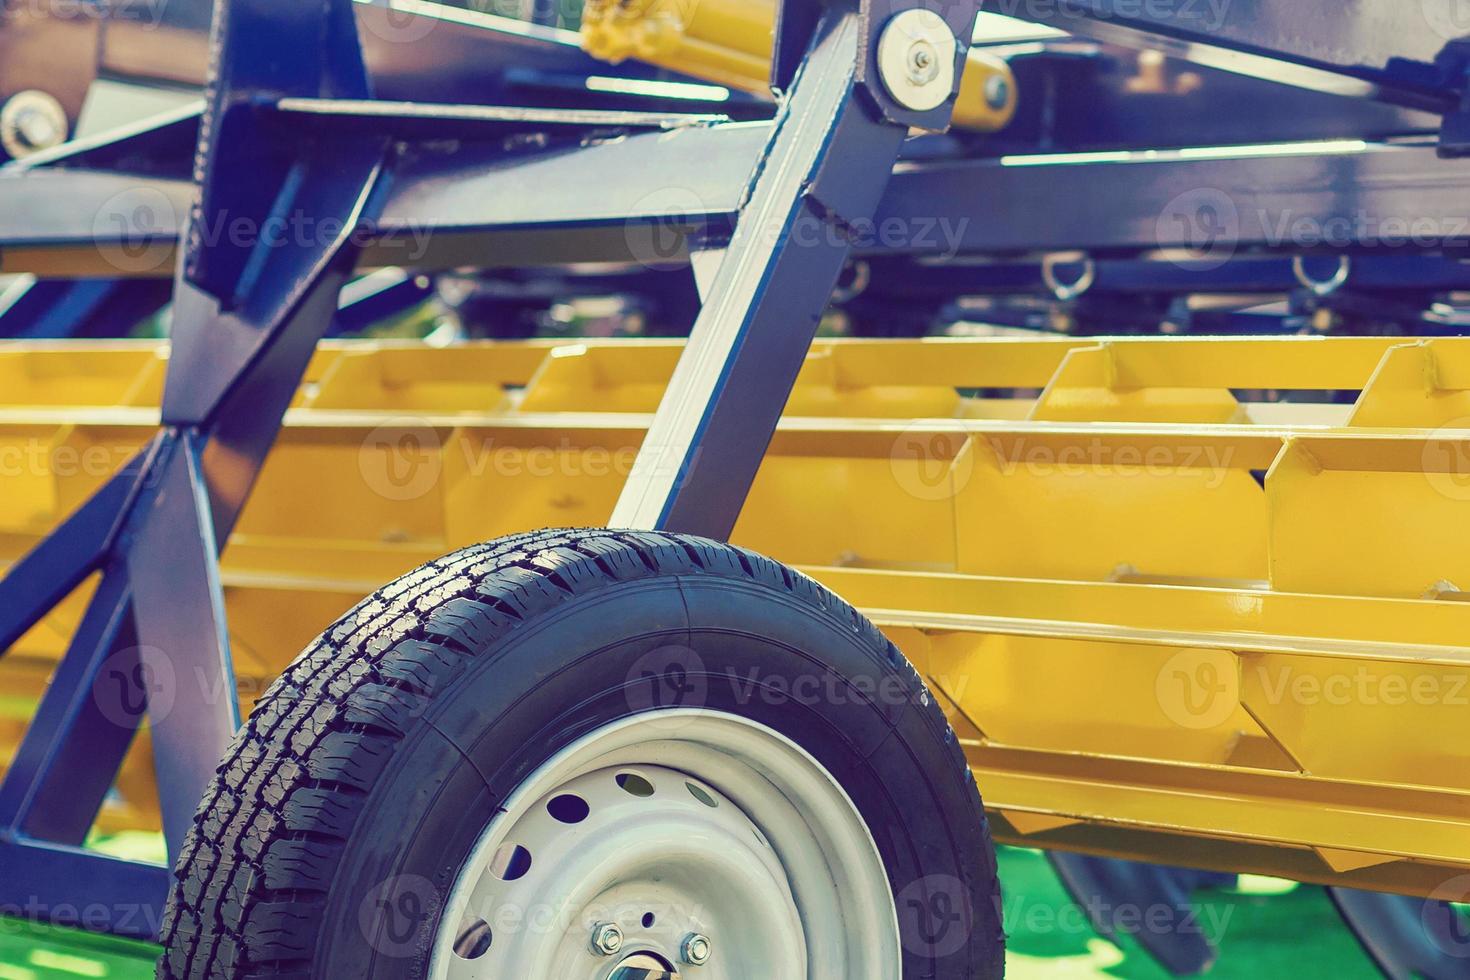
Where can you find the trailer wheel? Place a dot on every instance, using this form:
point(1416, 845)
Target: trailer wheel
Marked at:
point(591, 754)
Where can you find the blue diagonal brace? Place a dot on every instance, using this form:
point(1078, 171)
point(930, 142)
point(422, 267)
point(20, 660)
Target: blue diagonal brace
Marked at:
point(824, 168)
point(1406, 937)
point(66, 763)
point(179, 608)
point(1109, 890)
point(49, 572)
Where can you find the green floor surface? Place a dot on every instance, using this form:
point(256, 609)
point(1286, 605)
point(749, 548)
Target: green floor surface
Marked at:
point(1264, 932)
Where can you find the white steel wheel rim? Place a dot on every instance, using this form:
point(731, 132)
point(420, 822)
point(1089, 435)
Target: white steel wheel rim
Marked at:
point(744, 840)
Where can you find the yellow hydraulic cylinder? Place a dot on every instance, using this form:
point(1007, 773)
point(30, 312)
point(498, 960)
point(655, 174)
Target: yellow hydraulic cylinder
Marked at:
point(729, 42)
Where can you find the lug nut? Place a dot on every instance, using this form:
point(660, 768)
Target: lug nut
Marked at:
point(607, 938)
point(696, 949)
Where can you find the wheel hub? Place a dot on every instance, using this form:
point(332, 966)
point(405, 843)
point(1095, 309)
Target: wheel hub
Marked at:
point(697, 847)
point(644, 966)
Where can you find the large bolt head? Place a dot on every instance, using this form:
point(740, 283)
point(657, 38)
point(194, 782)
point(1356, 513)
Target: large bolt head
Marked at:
point(607, 938)
point(32, 121)
point(917, 54)
point(696, 949)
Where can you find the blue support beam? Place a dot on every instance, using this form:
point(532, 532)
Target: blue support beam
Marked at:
point(65, 764)
point(822, 172)
point(247, 316)
point(1383, 49)
point(71, 552)
point(249, 308)
point(55, 309)
point(444, 210)
point(380, 296)
point(82, 889)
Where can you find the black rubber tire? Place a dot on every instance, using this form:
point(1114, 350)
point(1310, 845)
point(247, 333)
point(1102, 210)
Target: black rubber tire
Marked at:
point(346, 805)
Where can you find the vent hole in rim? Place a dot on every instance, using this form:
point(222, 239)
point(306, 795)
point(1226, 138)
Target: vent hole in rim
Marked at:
point(635, 785)
point(474, 941)
point(700, 795)
point(511, 862)
point(568, 808)
point(648, 920)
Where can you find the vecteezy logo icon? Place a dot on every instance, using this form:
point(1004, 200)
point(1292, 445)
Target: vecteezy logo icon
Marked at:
point(1444, 919)
point(935, 916)
point(930, 463)
point(1446, 459)
point(1450, 19)
point(133, 684)
point(394, 25)
point(136, 230)
point(402, 459)
point(659, 224)
point(1204, 224)
point(665, 679)
point(396, 917)
point(1199, 689)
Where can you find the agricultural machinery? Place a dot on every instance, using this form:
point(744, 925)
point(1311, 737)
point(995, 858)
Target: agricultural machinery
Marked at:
point(1060, 403)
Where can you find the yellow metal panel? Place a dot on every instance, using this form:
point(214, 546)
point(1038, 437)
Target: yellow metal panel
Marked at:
point(1382, 513)
point(1089, 511)
point(418, 379)
point(122, 374)
point(1108, 699)
point(585, 378)
point(1343, 720)
point(1091, 385)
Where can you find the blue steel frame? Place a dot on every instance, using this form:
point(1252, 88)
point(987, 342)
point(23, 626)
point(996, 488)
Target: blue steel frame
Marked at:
point(247, 318)
point(56, 309)
point(52, 309)
point(245, 323)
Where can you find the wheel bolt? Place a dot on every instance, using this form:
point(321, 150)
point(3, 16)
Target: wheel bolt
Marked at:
point(696, 949)
point(607, 938)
